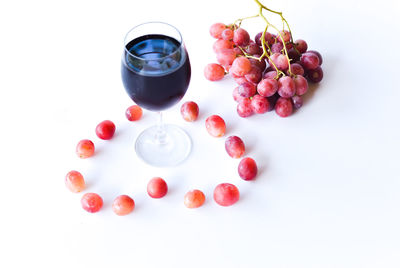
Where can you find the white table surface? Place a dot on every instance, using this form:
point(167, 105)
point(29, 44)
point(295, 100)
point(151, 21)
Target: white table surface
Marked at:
point(327, 194)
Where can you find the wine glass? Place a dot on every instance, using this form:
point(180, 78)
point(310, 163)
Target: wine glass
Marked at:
point(156, 74)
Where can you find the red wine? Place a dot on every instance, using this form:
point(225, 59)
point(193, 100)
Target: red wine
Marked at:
point(155, 71)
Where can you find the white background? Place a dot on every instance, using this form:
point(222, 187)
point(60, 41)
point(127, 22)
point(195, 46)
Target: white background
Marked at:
point(327, 194)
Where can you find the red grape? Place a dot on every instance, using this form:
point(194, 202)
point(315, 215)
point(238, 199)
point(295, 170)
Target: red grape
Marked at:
point(285, 35)
point(315, 75)
point(294, 55)
point(296, 69)
point(257, 38)
point(269, 38)
point(234, 146)
point(216, 30)
point(247, 169)
point(91, 202)
point(236, 95)
point(226, 194)
point(247, 89)
point(283, 107)
point(244, 108)
point(259, 104)
point(105, 130)
point(194, 199)
point(240, 66)
point(190, 111)
point(157, 187)
point(227, 34)
point(309, 61)
point(74, 181)
point(241, 37)
point(297, 101)
point(301, 85)
point(123, 205)
point(253, 49)
point(226, 56)
point(270, 74)
point(133, 113)
point(238, 51)
point(318, 55)
point(267, 87)
point(280, 60)
point(255, 75)
point(240, 80)
point(301, 45)
point(276, 48)
point(289, 46)
point(85, 148)
point(215, 126)
point(221, 44)
point(214, 72)
point(286, 87)
point(261, 64)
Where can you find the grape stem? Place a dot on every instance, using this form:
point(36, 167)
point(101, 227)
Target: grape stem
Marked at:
point(239, 21)
point(265, 45)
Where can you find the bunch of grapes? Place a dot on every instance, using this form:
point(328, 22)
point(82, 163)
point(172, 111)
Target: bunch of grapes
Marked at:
point(272, 71)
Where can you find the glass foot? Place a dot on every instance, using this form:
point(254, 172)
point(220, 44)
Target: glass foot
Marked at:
point(174, 148)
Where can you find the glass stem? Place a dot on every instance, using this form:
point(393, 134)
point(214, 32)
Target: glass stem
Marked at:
point(161, 135)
